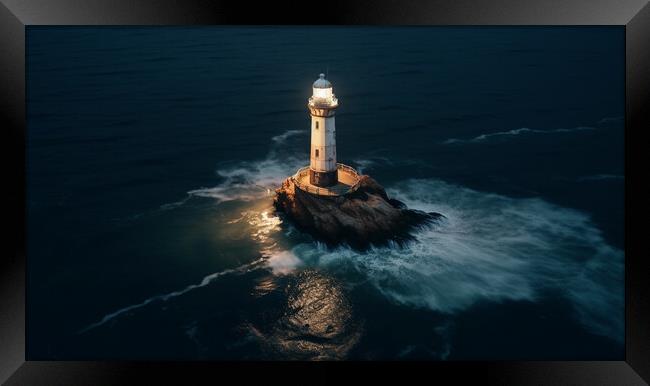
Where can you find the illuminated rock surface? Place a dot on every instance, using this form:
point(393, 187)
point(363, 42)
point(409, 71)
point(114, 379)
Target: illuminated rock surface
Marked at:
point(364, 216)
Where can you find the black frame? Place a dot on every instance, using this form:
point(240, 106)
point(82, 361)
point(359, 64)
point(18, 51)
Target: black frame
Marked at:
point(16, 14)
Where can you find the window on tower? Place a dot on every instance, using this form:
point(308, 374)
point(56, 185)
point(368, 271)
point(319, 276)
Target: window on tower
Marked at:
point(317, 124)
point(316, 153)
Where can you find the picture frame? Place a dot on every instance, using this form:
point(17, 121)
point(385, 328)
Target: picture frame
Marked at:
point(16, 15)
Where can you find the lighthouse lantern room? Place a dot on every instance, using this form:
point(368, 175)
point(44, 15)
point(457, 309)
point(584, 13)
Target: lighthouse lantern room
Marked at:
point(322, 106)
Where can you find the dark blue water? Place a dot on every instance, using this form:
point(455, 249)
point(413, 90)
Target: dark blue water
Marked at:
point(152, 154)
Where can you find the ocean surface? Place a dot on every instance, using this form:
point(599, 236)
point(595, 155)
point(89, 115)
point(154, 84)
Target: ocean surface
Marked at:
point(153, 152)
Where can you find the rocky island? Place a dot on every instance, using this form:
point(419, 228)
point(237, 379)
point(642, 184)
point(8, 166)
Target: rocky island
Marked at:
point(361, 216)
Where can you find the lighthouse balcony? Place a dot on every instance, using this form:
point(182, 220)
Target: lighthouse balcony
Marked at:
point(347, 180)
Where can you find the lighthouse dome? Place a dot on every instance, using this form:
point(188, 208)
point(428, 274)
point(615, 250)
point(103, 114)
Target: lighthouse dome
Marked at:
point(321, 82)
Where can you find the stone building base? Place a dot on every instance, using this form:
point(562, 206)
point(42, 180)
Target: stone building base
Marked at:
point(322, 179)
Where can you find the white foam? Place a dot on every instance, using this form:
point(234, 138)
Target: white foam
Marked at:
point(249, 181)
point(165, 297)
point(174, 205)
point(600, 177)
point(493, 248)
point(514, 132)
point(363, 164)
point(284, 136)
point(283, 262)
point(611, 119)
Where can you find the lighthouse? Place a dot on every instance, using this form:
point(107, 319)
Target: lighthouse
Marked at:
point(324, 177)
point(322, 160)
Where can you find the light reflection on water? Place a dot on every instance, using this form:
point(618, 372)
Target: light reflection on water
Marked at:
point(317, 322)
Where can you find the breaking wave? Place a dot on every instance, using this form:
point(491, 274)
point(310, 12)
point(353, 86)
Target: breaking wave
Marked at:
point(248, 181)
point(280, 139)
point(363, 165)
point(601, 177)
point(493, 248)
point(606, 120)
point(253, 180)
point(283, 262)
point(165, 297)
point(523, 130)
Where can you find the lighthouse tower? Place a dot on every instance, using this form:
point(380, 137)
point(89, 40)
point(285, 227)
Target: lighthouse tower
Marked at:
point(322, 106)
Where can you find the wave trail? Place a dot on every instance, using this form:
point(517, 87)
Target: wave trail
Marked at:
point(165, 297)
point(514, 132)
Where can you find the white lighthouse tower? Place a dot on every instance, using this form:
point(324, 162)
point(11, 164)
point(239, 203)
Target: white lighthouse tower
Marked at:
point(324, 176)
point(322, 106)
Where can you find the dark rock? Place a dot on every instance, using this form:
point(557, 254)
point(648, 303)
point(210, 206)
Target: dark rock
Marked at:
point(359, 218)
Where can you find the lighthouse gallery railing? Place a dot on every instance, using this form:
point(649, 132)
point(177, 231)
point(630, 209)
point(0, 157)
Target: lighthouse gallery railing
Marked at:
point(304, 171)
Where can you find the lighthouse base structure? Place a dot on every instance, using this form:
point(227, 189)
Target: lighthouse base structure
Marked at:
point(359, 215)
point(323, 179)
point(345, 180)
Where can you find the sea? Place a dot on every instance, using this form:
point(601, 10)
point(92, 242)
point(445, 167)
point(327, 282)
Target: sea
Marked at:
point(152, 155)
